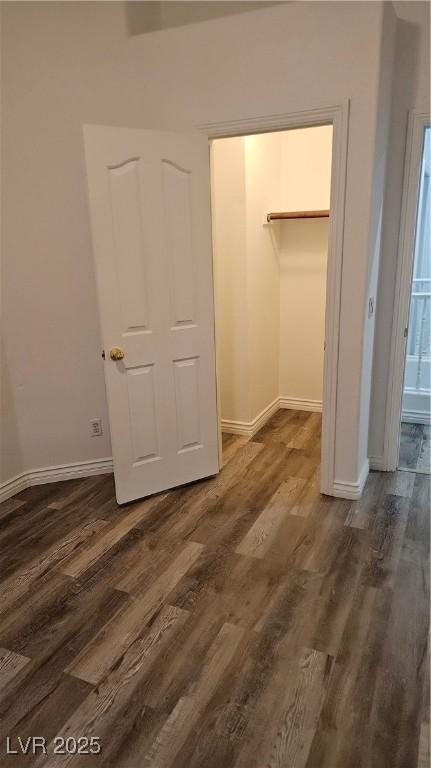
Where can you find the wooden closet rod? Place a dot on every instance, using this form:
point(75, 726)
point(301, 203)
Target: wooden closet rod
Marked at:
point(297, 215)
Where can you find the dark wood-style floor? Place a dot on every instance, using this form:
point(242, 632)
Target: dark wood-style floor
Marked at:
point(241, 621)
point(415, 442)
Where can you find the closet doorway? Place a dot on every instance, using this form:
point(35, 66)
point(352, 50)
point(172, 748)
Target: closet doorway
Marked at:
point(271, 217)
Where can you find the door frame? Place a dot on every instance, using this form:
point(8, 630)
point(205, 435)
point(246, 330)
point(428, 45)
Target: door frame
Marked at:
point(417, 122)
point(338, 117)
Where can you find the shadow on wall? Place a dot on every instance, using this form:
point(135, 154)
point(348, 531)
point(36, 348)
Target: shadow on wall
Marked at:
point(10, 448)
point(303, 263)
point(149, 17)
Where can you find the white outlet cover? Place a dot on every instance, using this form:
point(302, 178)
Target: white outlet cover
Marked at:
point(96, 427)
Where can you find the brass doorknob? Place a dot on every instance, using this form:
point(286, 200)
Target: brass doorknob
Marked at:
point(116, 353)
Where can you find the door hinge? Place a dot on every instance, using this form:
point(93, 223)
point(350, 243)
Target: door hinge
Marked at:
point(406, 331)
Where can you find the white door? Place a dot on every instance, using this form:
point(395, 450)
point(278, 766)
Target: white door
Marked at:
point(150, 213)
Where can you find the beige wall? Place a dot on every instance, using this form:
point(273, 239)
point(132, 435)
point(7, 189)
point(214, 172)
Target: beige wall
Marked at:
point(245, 182)
point(303, 260)
point(65, 64)
point(271, 279)
point(230, 276)
point(11, 462)
point(150, 16)
point(303, 245)
point(306, 157)
point(262, 163)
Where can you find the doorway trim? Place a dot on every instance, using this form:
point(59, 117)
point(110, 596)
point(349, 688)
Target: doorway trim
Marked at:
point(417, 122)
point(338, 117)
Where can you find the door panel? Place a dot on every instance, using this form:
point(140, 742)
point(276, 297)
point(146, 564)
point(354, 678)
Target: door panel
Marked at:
point(179, 237)
point(150, 214)
point(131, 253)
point(187, 403)
point(142, 405)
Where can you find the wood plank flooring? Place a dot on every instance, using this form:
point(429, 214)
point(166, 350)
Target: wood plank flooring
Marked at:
point(415, 448)
point(244, 621)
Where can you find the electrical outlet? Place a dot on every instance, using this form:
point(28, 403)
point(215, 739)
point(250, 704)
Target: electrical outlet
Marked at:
point(96, 427)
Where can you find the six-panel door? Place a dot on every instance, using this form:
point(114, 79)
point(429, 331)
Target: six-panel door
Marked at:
point(150, 213)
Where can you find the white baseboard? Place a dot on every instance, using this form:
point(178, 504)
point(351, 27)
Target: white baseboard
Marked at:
point(11, 487)
point(416, 417)
point(347, 490)
point(249, 428)
point(378, 463)
point(53, 475)
point(298, 404)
